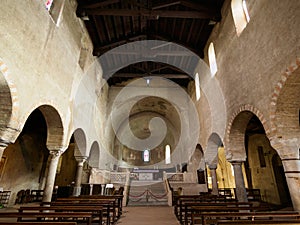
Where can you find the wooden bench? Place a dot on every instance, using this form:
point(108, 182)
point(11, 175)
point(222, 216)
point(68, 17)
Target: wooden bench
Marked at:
point(97, 211)
point(109, 207)
point(186, 206)
point(118, 198)
point(38, 223)
point(213, 208)
point(199, 198)
point(202, 218)
point(82, 217)
point(260, 222)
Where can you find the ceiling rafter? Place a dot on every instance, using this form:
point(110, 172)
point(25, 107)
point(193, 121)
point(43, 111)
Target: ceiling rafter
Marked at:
point(138, 75)
point(150, 14)
point(112, 23)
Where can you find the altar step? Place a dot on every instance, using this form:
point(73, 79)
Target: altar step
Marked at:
point(147, 193)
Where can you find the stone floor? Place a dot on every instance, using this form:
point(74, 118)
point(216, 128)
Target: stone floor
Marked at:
point(148, 215)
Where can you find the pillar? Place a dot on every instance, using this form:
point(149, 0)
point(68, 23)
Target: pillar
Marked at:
point(289, 152)
point(292, 173)
point(48, 190)
point(77, 187)
point(214, 179)
point(240, 189)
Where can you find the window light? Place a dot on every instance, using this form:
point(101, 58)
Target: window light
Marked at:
point(212, 59)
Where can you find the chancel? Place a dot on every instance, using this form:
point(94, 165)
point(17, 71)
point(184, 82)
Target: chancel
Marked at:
point(150, 112)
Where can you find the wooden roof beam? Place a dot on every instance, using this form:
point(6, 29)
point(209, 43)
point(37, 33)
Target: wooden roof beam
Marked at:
point(136, 75)
point(97, 3)
point(151, 14)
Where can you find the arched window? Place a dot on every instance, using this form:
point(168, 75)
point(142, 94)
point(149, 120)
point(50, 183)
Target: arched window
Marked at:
point(146, 155)
point(240, 15)
point(212, 59)
point(197, 86)
point(168, 154)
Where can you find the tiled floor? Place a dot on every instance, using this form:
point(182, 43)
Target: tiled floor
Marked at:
point(148, 215)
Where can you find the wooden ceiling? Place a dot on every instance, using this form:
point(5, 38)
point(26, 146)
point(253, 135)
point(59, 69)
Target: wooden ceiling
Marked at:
point(112, 23)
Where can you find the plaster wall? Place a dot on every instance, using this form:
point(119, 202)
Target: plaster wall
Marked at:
point(42, 56)
point(250, 65)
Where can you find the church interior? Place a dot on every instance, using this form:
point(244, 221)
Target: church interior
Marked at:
point(150, 100)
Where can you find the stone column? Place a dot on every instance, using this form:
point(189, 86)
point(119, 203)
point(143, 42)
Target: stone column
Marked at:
point(240, 188)
point(77, 187)
point(289, 152)
point(214, 179)
point(48, 190)
point(292, 173)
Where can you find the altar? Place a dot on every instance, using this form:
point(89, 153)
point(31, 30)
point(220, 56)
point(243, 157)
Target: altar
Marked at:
point(146, 175)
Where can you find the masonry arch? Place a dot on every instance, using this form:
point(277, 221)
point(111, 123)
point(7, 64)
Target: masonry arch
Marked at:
point(235, 132)
point(211, 153)
point(286, 108)
point(26, 158)
point(287, 89)
point(9, 107)
point(94, 156)
point(55, 129)
point(80, 141)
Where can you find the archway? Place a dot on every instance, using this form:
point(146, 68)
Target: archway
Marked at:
point(263, 167)
point(25, 161)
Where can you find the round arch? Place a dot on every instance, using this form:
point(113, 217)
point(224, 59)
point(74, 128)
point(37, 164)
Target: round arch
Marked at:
point(94, 156)
point(211, 153)
point(9, 129)
point(235, 134)
point(80, 142)
point(287, 89)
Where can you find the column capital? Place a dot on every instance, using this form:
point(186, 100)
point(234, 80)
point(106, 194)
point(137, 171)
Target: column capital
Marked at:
point(81, 159)
point(236, 162)
point(55, 153)
point(212, 167)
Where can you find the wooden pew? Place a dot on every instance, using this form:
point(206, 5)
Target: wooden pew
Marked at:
point(38, 223)
point(260, 222)
point(214, 208)
point(199, 198)
point(202, 218)
point(118, 198)
point(107, 204)
point(82, 217)
point(97, 211)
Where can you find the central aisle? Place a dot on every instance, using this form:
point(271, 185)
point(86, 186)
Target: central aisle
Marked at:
point(148, 215)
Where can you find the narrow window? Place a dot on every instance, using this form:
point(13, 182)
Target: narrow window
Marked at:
point(197, 86)
point(240, 15)
point(168, 154)
point(146, 155)
point(212, 59)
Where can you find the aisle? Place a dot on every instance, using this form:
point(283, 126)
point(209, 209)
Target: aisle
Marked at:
point(148, 215)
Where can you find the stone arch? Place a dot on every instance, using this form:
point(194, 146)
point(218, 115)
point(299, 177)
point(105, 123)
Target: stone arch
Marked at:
point(285, 102)
point(80, 142)
point(9, 107)
point(94, 156)
point(55, 128)
point(211, 153)
point(197, 159)
point(235, 133)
